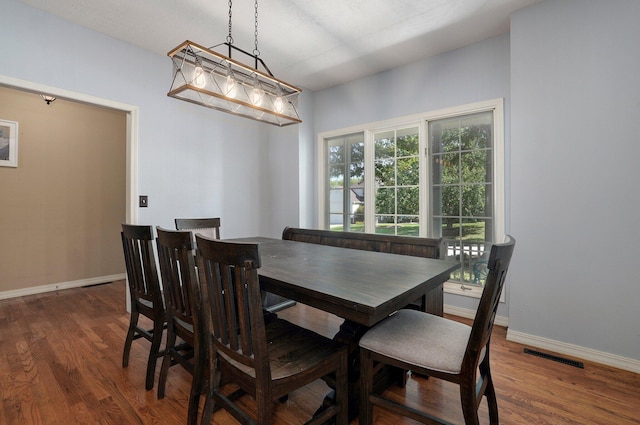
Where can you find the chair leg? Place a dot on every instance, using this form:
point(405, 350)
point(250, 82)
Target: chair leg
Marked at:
point(211, 385)
point(133, 322)
point(366, 387)
point(469, 407)
point(153, 354)
point(264, 406)
point(492, 401)
point(194, 400)
point(166, 362)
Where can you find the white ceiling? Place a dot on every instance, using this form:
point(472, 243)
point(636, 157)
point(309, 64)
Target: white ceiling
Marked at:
point(313, 44)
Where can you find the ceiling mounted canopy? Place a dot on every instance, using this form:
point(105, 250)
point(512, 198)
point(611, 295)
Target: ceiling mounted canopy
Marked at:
point(47, 98)
point(206, 77)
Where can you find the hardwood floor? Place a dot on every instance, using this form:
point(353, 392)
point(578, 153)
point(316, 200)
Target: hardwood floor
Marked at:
point(60, 363)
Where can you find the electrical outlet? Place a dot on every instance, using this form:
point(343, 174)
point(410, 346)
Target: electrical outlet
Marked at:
point(144, 201)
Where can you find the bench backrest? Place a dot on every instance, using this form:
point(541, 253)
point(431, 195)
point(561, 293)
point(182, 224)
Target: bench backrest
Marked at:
point(403, 245)
point(433, 302)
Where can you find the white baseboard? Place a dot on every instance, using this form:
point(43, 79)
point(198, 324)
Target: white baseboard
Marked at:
point(470, 314)
point(577, 351)
point(572, 350)
point(62, 285)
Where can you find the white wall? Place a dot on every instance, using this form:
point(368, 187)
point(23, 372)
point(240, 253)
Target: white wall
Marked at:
point(193, 161)
point(471, 74)
point(308, 216)
point(467, 75)
point(282, 179)
point(575, 169)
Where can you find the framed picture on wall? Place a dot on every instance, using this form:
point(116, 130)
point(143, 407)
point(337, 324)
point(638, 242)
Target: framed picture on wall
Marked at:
point(8, 143)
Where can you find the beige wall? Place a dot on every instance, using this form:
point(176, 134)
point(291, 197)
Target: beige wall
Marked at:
point(61, 208)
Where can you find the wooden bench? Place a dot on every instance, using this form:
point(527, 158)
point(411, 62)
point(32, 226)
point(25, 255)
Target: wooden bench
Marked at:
point(403, 245)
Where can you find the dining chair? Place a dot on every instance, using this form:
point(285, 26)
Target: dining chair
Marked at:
point(207, 226)
point(263, 356)
point(182, 300)
point(439, 348)
point(145, 292)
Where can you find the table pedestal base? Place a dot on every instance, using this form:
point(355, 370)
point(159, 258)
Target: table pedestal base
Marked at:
point(349, 335)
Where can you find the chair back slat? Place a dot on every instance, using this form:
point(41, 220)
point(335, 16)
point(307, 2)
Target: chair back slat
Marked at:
point(214, 305)
point(232, 300)
point(241, 296)
point(230, 327)
point(498, 265)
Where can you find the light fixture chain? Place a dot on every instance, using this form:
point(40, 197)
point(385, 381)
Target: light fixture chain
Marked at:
point(256, 52)
point(229, 37)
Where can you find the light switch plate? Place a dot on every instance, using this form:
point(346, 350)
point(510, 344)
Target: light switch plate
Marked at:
point(144, 201)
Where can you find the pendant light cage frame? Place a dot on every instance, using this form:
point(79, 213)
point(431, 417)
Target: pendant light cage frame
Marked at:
point(206, 77)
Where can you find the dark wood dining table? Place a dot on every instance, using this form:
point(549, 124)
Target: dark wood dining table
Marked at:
point(360, 286)
point(363, 287)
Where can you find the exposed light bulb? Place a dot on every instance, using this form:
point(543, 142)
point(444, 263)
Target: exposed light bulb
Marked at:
point(230, 89)
point(256, 93)
point(256, 96)
point(278, 104)
point(199, 77)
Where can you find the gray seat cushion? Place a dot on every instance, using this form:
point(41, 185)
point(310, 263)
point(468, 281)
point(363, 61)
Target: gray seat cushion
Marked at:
point(421, 339)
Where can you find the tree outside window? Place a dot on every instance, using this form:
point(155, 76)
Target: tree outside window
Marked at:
point(461, 190)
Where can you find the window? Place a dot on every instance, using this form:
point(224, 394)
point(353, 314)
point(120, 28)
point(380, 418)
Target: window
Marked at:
point(461, 190)
point(397, 181)
point(345, 185)
point(437, 174)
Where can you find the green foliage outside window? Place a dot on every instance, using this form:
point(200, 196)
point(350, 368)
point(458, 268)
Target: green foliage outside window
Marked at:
point(397, 178)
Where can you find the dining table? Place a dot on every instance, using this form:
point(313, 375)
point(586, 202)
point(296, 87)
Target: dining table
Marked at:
point(362, 287)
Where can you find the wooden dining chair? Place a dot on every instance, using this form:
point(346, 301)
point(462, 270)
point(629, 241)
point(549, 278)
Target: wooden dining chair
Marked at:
point(440, 348)
point(182, 300)
point(145, 292)
point(207, 226)
point(266, 358)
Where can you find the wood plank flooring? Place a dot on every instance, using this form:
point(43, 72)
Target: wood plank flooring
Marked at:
point(61, 353)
